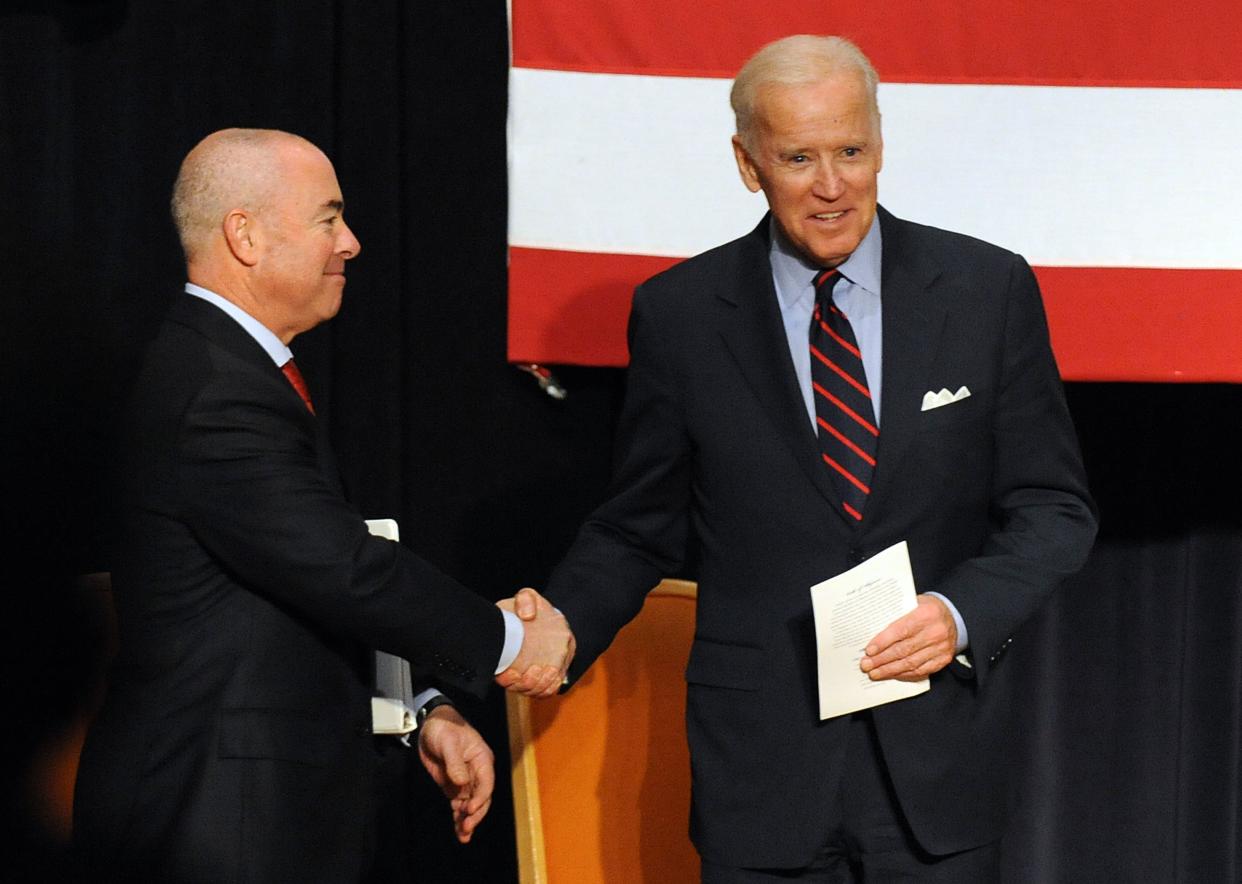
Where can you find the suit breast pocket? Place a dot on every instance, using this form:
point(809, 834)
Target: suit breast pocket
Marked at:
point(969, 410)
point(956, 427)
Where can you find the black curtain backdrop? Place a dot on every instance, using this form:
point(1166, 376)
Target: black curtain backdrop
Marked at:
point(1126, 747)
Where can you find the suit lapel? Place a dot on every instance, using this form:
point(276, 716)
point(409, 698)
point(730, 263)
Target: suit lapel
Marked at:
point(221, 329)
point(913, 321)
point(754, 335)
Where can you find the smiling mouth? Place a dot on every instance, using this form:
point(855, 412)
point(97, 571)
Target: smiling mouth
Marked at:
point(827, 216)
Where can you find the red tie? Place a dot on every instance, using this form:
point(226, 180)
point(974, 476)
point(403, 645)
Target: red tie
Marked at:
point(848, 436)
point(290, 369)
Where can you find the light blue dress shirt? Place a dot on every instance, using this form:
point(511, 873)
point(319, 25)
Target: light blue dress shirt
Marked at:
point(857, 295)
point(264, 337)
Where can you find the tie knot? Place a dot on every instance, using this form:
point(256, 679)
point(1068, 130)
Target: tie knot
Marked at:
point(824, 281)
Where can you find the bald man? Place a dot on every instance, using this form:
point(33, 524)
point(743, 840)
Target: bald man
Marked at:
point(235, 742)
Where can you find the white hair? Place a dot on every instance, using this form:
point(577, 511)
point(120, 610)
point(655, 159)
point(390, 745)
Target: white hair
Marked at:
point(797, 61)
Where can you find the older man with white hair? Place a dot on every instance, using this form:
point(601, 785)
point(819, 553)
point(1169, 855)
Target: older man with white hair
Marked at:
point(784, 408)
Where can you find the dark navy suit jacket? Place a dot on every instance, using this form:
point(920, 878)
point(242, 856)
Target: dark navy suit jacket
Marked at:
point(234, 743)
point(989, 492)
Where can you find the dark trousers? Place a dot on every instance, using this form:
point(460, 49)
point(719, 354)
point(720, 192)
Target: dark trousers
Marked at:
point(871, 842)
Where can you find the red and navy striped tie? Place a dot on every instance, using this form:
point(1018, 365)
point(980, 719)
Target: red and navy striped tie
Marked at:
point(848, 435)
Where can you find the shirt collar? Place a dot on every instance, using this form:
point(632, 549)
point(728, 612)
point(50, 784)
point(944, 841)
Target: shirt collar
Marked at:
point(794, 273)
point(265, 337)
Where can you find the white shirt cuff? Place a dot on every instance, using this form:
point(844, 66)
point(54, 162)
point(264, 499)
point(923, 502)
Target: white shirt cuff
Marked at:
point(515, 634)
point(421, 698)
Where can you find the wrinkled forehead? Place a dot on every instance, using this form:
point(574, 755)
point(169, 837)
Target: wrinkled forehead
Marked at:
point(845, 88)
point(837, 101)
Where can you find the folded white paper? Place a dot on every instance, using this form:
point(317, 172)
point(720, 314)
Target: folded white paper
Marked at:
point(389, 716)
point(391, 712)
point(850, 610)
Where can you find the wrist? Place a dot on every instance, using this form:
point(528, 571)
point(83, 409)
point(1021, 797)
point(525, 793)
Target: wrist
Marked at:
point(425, 710)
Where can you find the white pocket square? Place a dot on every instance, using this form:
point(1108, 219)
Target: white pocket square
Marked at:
point(944, 397)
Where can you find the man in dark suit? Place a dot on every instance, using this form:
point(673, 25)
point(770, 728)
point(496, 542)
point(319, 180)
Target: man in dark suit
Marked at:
point(731, 433)
point(236, 739)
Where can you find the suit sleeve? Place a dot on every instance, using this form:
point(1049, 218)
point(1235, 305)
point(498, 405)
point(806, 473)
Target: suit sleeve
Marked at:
point(259, 501)
point(639, 535)
point(1043, 516)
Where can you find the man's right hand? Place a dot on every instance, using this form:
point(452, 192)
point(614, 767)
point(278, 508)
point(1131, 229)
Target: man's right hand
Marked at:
point(547, 648)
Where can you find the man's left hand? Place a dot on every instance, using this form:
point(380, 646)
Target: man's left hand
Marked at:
point(461, 764)
point(914, 646)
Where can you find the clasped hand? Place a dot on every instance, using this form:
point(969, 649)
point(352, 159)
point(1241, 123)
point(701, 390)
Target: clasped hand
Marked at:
point(547, 648)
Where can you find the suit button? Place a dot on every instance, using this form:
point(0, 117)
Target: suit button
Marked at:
point(856, 556)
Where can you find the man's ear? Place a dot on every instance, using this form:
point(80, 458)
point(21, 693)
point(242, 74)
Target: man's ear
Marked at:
point(879, 144)
point(746, 166)
point(242, 235)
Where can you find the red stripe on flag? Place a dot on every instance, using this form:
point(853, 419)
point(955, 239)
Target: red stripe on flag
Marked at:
point(1060, 42)
point(571, 308)
point(1108, 324)
point(1127, 324)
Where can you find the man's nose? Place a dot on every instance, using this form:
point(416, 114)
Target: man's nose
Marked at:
point(348, 246)
point(829, 184)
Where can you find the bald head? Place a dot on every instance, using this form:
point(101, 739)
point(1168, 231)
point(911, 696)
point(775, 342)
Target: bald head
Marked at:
point(229, 169)
point(799, 60)
point(261, 220)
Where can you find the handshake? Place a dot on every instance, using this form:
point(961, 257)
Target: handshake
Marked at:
point(547, 648)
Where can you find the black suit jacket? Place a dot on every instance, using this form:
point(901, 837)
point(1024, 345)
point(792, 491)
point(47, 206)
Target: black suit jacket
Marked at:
point(989, 493)
point(235, 741)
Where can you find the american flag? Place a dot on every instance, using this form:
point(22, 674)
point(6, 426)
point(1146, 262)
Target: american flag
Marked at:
point(1101, 141)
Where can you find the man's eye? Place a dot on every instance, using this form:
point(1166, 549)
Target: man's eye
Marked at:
point(798, 158)
point(851, 151)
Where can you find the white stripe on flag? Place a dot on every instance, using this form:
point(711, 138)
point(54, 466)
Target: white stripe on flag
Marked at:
point(1104, 177)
